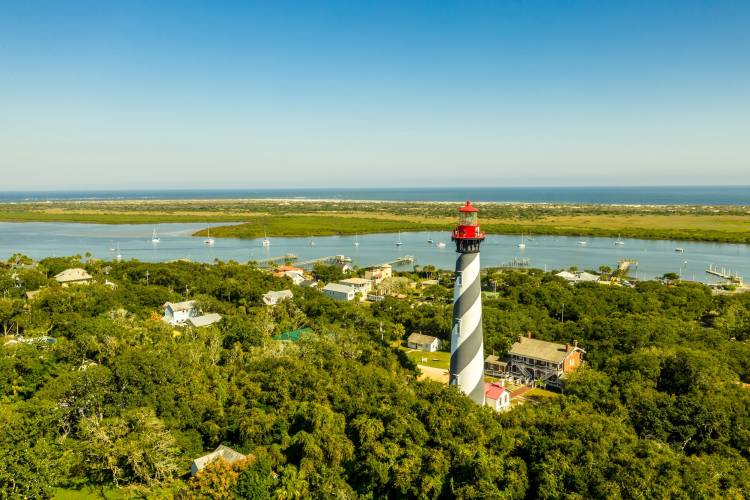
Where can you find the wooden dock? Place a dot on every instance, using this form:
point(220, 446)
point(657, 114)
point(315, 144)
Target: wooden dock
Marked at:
point(724, 273)
point(274, 260)
point(329, 259)
point(406, 259)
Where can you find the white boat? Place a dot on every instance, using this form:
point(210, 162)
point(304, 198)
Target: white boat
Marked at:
point(522, 245)
point(583, 243)
point(154, 237)
point(209, 241)
point(429, 239)
point(312, 243)
point(679, 250)
point(118, 256)
point(356, 240)
point(266, 241)
point(399, 242)
point(619, 241)
point(440, 244)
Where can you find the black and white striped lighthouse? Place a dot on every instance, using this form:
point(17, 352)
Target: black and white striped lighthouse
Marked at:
point(467, 345)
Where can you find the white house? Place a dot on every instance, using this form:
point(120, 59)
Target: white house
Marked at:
point(176, 313)
point(338, 291)
point(421, 342)
point(496, 396)
point(76, 276)
point(272, 298)
point(223, 452)
point(360, 285)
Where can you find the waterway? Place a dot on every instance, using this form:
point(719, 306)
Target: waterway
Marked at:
point(654, 257)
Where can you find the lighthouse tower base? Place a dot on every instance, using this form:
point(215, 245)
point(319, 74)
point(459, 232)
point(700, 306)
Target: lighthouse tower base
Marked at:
point(467, 344)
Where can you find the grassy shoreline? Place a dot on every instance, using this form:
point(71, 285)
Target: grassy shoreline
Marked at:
point(327, 218)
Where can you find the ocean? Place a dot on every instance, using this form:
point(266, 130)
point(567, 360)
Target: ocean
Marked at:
point(630, 195)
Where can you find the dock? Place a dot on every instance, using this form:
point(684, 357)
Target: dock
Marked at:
point(406, 259)
point(724, 273)
point(274, 260)
point(329, 259)
point(623, 265)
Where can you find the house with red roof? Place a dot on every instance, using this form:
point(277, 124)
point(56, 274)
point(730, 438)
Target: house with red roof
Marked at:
point(496, 396)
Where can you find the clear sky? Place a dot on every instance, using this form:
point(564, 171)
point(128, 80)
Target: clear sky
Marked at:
point(207, 94)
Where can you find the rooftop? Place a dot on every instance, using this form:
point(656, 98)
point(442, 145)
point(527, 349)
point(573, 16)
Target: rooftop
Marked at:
point(419, 338)
point(338, 287)
point(540, 349)
point(355, 281)
point(493, 390)
point(222, 451)
point(185, 305)
point(205, 320)
point(76, 274)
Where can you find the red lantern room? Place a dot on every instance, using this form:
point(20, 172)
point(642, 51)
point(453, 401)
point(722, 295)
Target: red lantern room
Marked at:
point(467, 235)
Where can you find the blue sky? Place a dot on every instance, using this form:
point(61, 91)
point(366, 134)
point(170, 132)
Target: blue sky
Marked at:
point(195, 94)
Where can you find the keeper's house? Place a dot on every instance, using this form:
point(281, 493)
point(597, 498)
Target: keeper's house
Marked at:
point(539, 361)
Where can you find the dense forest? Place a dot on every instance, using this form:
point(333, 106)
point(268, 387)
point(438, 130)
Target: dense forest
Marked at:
point(103, 397)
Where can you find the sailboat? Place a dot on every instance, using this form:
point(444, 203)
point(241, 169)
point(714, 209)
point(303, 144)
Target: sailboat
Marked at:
point(154, 237)
point(266, 241)
point(399, 242)
point(209, 241)
point(582, 243)
point(429, 239)
point(118, 256)
point(619, 241)
point(356, 240)
point(522, 245)
point(312, 242)
point(440, 244)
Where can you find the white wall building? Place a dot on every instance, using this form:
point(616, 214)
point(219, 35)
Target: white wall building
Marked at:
point(496, 396)
point(420, 342)
point(176, 313)
point(338, 291)
point(272, 298)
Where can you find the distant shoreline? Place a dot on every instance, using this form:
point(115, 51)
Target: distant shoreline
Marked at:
point(307, 218)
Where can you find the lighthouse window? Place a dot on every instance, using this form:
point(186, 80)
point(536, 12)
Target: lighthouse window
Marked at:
point(468, 218)
point(458, 279)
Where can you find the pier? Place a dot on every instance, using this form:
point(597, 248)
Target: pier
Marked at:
point(623, 265)
point(406, 259)
point(275, 260)
point(724, 273)
point(330, 259)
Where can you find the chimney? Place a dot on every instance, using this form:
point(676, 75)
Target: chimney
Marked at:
point(567, 347)
point(528, 334)
point(575, 343)
point(520, 339)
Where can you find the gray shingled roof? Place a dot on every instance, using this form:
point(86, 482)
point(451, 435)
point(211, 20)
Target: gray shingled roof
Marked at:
point(539, 349)
point(418, 338)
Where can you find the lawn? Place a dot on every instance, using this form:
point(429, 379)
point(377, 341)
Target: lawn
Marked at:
point(439, 359)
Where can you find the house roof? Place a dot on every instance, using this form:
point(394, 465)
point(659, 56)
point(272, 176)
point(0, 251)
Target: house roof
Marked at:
point(338, 287)
point(355, 281)
point(222, 451)
point(32, 293)
point(278, 295)
point(540, 349)
point(185, 305)
point(418, 338)
point(584, 276)
point(495, 360)
point(294, 335)
point(75, 274)
point(205, 320)
point(566, 275)
point(493, 390)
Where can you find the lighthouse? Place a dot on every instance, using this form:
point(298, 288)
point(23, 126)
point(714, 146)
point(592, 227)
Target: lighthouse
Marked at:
point(467, 345)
